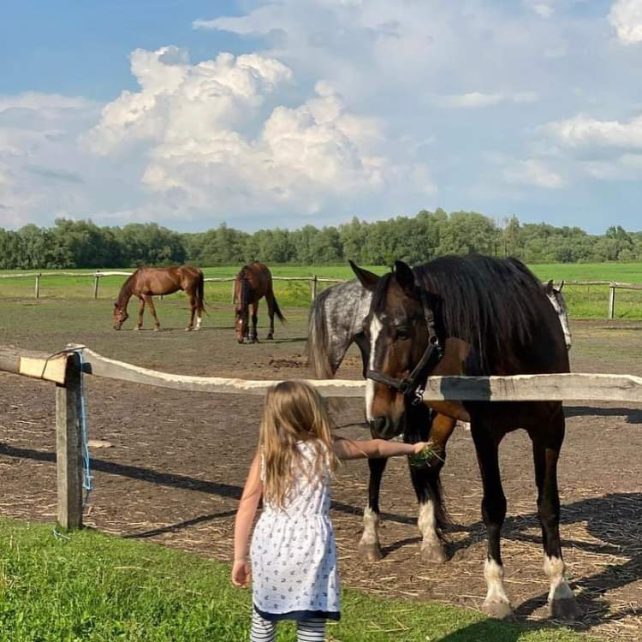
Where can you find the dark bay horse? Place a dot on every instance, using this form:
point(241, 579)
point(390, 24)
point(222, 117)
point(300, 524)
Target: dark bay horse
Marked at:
point(336, 322)
point(253, 282)
point(500, 311)
point(146, 282)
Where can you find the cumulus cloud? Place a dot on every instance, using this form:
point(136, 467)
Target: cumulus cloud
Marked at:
point(584, 131)
point(533, 172)
point(626, 17)
point(209, 143)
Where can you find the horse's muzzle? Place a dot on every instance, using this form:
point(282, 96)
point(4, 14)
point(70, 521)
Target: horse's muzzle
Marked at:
point(383, 427)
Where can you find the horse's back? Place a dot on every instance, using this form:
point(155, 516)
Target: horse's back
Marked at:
point(500, 308)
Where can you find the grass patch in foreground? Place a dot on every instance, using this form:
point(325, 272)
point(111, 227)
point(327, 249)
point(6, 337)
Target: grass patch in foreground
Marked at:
point(92, 587)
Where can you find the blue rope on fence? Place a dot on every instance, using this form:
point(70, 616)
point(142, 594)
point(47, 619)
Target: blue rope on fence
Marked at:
point(87, 478)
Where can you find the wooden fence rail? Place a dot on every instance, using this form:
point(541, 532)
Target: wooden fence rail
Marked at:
point(64, 369)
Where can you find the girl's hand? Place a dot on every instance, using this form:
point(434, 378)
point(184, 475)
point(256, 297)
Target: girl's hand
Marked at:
point(241, 573)
point(419, 446)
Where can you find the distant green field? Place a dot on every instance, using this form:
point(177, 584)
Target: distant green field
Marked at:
point(583, 301)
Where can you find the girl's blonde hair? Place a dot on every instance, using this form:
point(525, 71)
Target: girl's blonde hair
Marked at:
point(294, 411)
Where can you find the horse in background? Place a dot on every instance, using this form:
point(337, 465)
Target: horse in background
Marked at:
point(335, 322)
point(252, 283)
point(558, 302)
point(146, 282)
point(500, 310)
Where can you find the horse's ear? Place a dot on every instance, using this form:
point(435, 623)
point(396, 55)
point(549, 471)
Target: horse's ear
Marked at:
point(548, 288)
point(367, 279)
point(405, 277)
point(560, 287)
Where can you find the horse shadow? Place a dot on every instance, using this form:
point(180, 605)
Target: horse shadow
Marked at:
point(631, 415)
point(615, 520)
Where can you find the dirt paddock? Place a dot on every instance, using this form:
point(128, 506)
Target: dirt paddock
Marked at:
point(175, 464)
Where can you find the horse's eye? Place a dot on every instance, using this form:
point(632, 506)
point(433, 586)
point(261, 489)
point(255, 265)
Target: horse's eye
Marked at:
point(402, 333)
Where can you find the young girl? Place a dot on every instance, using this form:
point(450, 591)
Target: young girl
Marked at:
point(293, 556)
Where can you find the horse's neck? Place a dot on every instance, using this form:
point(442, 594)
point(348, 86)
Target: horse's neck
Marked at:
point(124, 295)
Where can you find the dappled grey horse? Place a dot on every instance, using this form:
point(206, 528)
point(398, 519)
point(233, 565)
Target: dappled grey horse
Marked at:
point(335, 323)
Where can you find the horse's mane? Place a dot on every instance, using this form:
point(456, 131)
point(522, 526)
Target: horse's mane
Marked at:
point(127, 288)
point(493, 304)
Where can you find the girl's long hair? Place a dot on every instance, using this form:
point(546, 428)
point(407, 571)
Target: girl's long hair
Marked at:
point(294, 411)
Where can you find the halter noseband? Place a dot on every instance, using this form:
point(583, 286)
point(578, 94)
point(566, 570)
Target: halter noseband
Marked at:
point(413, 385)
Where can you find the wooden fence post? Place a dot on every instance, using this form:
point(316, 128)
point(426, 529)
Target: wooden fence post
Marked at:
point(68, 447)
point(96, 279)
point(611, 302)
point(37, 292)
point(313, 288)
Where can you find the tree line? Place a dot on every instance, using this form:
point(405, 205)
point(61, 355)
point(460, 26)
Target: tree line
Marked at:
point(416, 239)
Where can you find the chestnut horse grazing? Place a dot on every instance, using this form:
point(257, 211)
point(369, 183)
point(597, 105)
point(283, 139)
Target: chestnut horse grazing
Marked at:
point(148, 281)
point(253, 282)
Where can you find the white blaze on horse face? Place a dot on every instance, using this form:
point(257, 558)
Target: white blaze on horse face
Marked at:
point(375, 331)
point(555, 571)
point(494, 574)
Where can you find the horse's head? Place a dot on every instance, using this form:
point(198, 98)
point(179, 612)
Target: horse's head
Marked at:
point(399, 333)
point(241, 323)
point(119, 317)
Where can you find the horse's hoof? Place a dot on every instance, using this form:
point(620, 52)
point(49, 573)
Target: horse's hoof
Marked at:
point(188, 329)
point(498, 610)
point(370, 552)
point(433, 553)
point(137, 328)
point(564, 609)
point(157, 329)
point(269, 337)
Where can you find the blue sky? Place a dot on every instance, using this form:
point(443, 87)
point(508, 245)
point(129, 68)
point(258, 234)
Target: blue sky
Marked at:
point(313, 111)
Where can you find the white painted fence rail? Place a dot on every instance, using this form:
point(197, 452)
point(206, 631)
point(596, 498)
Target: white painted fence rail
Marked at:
point(64, 368)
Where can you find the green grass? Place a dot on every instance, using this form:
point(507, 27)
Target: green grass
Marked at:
point(583, 301)
point(90, 587)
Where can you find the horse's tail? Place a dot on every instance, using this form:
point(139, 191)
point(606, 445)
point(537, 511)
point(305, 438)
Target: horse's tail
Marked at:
point(200, 292)
point(317, 347)
point(277, 309)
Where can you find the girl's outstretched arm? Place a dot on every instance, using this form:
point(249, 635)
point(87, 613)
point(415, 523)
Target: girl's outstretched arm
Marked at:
point(243, 524)
point(348, 449)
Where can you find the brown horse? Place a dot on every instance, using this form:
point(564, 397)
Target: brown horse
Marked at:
point(253, 282)
point(148, 281)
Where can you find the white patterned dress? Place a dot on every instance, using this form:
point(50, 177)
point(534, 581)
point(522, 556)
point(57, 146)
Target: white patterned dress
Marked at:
point(293, 552)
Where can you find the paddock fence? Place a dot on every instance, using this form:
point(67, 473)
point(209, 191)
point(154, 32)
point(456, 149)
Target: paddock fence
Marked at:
point(313, 281)
point(66, 368)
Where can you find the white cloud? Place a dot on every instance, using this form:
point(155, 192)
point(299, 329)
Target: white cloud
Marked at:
point(542, 8)
point(210, 144)
point(626, 17)
point(533, 172)
point(475, 99)
point(627, 167)
point(583, 131)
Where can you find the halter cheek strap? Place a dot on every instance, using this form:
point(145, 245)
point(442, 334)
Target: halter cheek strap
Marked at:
point(412, 386)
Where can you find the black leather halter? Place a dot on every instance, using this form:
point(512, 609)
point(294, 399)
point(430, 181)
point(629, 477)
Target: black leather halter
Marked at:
point(413, 385)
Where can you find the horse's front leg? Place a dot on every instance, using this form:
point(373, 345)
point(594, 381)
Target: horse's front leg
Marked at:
point(546, 448)
point(141, 311)
point(496, 604)
point(254, 337)
point(427, 484)
point(369, 545)
point(150, 302)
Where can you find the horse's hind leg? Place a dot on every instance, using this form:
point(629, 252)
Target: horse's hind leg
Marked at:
point(192, 304)
point(369, 545)
point(496, 604)
point(254, 337)
point(141, 311)
point(546, 448)
point(148, 298)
